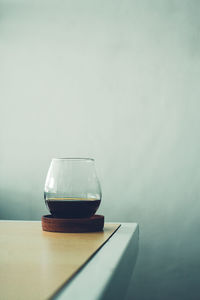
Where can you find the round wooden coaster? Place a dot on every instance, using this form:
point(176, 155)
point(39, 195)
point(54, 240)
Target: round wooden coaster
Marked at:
point(93, 224)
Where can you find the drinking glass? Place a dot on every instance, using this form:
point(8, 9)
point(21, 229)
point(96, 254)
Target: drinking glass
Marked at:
point(72, 188)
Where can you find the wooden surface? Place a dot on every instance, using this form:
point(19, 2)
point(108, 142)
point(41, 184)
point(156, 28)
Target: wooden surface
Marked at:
point(34, 264)
point(92, 224)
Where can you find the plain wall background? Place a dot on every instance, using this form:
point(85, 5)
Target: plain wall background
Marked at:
point(117, 81)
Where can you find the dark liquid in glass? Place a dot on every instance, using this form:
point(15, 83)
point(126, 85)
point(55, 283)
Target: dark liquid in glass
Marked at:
point(72, 207)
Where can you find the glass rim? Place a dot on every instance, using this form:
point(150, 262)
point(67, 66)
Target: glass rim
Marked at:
point(74, 158)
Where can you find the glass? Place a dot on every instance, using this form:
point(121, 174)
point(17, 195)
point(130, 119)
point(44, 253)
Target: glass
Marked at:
point(72, 188)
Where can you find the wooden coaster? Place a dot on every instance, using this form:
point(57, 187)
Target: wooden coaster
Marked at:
point(93, 224)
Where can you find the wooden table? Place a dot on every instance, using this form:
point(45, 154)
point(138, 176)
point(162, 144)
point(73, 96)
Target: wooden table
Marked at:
point(43, 265)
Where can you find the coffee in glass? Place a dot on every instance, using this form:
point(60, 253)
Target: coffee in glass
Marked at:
point(72, 188)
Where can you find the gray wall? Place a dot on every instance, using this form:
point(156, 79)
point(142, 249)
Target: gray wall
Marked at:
point(117, 81)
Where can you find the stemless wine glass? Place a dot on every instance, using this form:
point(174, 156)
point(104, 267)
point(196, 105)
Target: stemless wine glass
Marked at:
point(72, 188)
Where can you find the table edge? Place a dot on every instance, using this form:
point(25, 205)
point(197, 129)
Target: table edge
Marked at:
point(101, 283)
